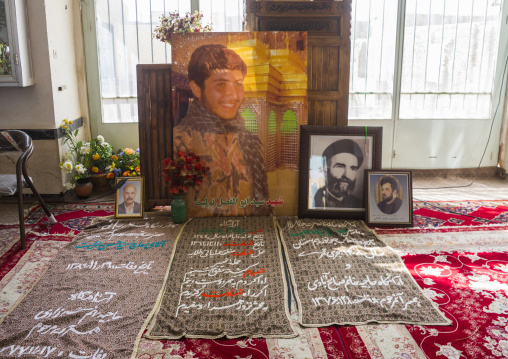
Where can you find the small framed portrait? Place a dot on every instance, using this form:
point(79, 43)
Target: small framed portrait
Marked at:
point(389, 198)
point(129, 197)
point(333, 160)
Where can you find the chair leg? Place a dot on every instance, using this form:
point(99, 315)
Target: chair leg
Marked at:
point(50, 216)
point(20, 209)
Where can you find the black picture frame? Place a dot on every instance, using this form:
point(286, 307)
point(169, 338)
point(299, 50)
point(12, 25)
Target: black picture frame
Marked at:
point(313, 141)
point(398, 213)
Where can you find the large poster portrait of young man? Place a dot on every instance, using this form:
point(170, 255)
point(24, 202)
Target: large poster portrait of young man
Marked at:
point(239, 99)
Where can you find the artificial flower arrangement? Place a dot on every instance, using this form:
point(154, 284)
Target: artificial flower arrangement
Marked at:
point(77, 160)
point(125, 164)
point(185, 171)
point(173, 23)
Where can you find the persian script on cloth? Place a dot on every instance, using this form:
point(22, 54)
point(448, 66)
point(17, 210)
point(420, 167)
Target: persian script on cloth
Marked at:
point(343, 274)
point(227, 280)
point(96, 295)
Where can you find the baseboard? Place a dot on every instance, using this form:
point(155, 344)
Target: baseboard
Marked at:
point(469, 173)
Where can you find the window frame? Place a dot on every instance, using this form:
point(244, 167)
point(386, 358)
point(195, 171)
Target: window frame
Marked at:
point(93, 80)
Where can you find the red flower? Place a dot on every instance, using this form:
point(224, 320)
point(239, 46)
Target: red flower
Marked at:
point(183, 172)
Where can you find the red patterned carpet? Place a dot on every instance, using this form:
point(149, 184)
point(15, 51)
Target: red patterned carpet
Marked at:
point(456, 252)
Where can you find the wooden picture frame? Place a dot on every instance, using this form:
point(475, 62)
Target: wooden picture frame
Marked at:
point(132, 189)
point(389, 198)
point(359, 146)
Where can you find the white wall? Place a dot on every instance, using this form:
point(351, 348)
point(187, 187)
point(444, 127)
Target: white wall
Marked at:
point(63, 40)
point(58, 60)
point(31, 107)
point(503, 142)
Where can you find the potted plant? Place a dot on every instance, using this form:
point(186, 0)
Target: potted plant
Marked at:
point(76, 161)
point(185, 171)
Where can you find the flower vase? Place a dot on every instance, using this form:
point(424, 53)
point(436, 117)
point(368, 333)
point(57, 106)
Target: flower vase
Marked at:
point(178, 210)
point(83, 188)
point(100, 182)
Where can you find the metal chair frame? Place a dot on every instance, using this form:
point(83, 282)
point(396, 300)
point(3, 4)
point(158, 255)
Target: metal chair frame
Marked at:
point(25, 144)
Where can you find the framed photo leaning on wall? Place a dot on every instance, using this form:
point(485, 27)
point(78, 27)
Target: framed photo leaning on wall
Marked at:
point(129, 198)
point(389, 198)
point(333, 160)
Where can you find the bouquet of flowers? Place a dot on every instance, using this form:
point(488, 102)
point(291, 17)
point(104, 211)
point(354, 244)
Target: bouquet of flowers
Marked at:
point(125, 163)
point(77, 160)
point(101, 153)
point(173, 23)
point(183, 172)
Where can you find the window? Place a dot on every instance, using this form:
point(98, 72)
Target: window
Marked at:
point(124, 37)
point(448, 62)
point(289, 138)
point(251, 122)
point(446, 71)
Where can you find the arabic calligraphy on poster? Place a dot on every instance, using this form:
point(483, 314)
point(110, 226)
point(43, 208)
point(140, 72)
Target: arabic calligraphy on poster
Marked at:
point(236, 278)
point(233, 201)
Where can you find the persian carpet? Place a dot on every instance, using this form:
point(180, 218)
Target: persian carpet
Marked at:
point(72, 218)
point(475, 333)
point(232, 282)
point(343, 274)
point(458, 254)
point(96, 295)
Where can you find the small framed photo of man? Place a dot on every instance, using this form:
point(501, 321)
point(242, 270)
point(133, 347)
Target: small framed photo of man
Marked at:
point(389, 198)
point(332, 164)
point(129, 198)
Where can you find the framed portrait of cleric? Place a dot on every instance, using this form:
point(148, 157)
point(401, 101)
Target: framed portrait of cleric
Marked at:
point(333, 160)
point(389, 198)
point(239, 99)
point(129, 197)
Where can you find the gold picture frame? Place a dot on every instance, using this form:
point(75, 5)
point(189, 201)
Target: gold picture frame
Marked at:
point(389, 198)
point(129, 189)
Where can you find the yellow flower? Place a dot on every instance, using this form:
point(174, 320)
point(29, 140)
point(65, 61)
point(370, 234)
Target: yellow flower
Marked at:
point(70, 122)
point(96, 156)
point(65, 121)
point(110, 175)
point(65, 127)
point(95, 169)
point(129, 151)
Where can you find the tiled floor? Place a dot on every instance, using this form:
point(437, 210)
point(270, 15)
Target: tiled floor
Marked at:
point(459, 189)
point(424, 189)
